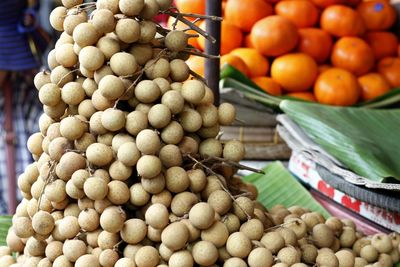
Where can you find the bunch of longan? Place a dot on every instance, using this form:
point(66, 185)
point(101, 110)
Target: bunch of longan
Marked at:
point(129, 170)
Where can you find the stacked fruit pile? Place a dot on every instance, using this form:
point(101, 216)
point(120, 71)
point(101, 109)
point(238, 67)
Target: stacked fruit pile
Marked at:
point(332, 51)
point(129, 171)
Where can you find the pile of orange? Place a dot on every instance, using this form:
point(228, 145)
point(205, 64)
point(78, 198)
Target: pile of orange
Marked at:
point(336, 52)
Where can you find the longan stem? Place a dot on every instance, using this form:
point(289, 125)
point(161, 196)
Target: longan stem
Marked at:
point(236, 164)
point(200, 54)
point(198, 16)
point(65, 76)
point(193, 26)
point(46, 182)
point(221, 184)
point(198, 76)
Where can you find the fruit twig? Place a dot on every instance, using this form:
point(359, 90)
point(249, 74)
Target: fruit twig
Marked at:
point(200, 54)
point(197, 76)
point(193, 26)
point(235, 164)
point(191, 15)
point(52, 166)
point(221, 182)
point(65, 75)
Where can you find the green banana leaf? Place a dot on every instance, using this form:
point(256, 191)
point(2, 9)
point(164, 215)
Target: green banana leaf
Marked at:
point(5, 224)
point(278, 186)
point(365, 140)
point(231, 77)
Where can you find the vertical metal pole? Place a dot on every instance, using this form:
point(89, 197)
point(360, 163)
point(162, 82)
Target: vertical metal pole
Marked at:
point(213, 8)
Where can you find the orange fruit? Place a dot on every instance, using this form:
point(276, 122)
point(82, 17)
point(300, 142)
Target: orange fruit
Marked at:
point(353, 54)
point(337, 87)
point(182, 26)
point(315, 42)
point(268, 85)
point(384, 44)
point(274, 36)
point(377, 15)
point(244, 14)
point(196, 64)
point(256, 63)
point(302, 13)
point(307, 96)
point(236, 62)
point(340, 20)
point(389, 67)
point(373, 85)
point(294, 72)
point(247, 41)
point(231, 37)
point(191, 6)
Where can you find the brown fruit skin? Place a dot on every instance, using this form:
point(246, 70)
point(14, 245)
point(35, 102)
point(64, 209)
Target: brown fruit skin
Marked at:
point(205, 253)
point(322, 235)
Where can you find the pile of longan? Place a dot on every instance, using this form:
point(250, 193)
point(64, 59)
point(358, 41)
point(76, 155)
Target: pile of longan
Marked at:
point(122, 175)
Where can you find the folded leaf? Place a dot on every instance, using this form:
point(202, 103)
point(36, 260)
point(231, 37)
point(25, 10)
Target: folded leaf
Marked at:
point(364, 140)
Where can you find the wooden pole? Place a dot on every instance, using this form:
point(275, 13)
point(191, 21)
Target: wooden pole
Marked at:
point(213, 8)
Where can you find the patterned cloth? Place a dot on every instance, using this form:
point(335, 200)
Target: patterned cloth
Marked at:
point(26, 113)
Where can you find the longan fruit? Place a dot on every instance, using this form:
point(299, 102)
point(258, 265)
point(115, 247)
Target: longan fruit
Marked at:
point(289, 255)
point(55, 112)
point(107, 240)
point(141, 52)
point(85, 72)
point(198, 181)
point(85, 34)
point(131, 8)
point(89, 86)
point(176, 179)
point(253, 229)
point(61, 75)
point(95, 188)
point(382, 243)
point(133, 231)
point(348, 237)
point(202, 215)
point(53, 250)
point(148, 31)
point(138, 196)
point(273, 241)
point(173, 100)
point(234, 150)
point(100, 73)
point(127, 30)
point(87, 260)
point(175, 236)
point(193, 91)
point(183, 202)
point(164, 197)
point(143, 108)
point(123, 64)
point(369, 253)
point(73, 19)
point(204, 253)
point(260, 257)
point(103, 21)
point(71, 3)
point(147, 256)
point(111, 87)
point(360, 262)
point(43, 223)
point(118, 171)
point(238, 245)
point(108, 258)
point(55, 191)
point(154, 185)
point(57, 18)
point(128, 154)
point(345, 258)
point(210, 148)
point(190, 120)
point(34, 143)
point(112, 219)
point(125, 262)
point(181, 258)
point(148, 142)
point(217, 234)
point(23, 227)
point(322, 235)
point(101, 205)
point(72, 128)
point(157, 68)
point(147, 91)
point(136, 121)
point(113, 119)
point(35, 247)
point(242, 204)
point(159, 116)
point(157, 216)
point(149, 166)
point(89, 219)
point(150, 9)
point(172, 133)
point(91, 58)
point(99, 154)
point(226, 114)
point(176, 40)
point(68, 227)
point(66, 56)
point(327, 258)
point(308, 253)
point(209, 114)
point(179, 70)
point(170, 156)
point(111, 5)
point(73, 249)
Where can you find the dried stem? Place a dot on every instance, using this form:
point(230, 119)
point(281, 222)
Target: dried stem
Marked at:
point(197, 76)
point(52, 166)
point(65, 76)
point(235, 164)
point(200, 54)
point(191, 15)
point(221, 182)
